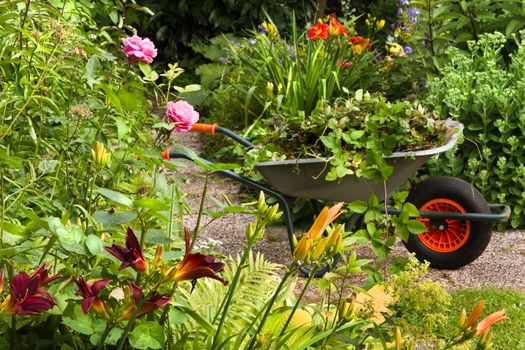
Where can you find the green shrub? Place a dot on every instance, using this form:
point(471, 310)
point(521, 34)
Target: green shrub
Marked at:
point(486, 95)
point(177, 26)
point(452, 22)
point(423, 305)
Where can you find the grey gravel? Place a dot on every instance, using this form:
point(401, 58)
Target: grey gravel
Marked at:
point(501, 265)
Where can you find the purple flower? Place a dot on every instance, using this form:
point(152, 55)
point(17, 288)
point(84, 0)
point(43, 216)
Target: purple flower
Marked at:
point(407, 50)
point(399, 12)
point(404, 2)
point(413, 14)
point(251, 42)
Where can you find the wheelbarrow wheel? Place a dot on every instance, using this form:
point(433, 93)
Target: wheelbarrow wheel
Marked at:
point(447, 243)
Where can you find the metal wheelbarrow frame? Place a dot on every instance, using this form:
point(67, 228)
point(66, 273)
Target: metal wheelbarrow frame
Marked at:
point(304, 178)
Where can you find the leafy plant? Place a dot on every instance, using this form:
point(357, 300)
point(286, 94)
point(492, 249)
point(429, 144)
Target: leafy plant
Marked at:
point(354, 134)
point(294, 77)
point(446, 22)
point(177, 27)
point(482, 91)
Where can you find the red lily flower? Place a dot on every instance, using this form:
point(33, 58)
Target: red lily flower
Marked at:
point(43, 273)
point(154, 302)
point(26, 296)
point(90, 295)
point(319, 31)
point(195, 266)
point(131, 255)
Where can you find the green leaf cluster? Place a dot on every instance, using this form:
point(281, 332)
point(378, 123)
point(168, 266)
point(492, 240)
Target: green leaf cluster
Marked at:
point(485, 93)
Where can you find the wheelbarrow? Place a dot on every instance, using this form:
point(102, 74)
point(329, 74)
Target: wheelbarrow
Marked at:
point(457, 217)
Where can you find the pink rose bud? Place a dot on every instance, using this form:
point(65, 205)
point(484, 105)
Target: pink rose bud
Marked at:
point(139, 49)
point(182, 113)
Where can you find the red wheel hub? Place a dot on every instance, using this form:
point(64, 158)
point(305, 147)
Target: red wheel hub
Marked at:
point(445, 235)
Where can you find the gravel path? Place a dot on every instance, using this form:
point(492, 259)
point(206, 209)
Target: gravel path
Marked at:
point(501, 265)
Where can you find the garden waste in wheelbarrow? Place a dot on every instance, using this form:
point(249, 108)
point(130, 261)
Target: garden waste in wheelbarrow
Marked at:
point(458, 219)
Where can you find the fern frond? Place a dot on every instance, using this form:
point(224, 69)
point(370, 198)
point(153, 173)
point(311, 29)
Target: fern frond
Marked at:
point(258, 281)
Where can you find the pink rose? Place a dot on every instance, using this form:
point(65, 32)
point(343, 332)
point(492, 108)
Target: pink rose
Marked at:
point(139, 49)
point(182, 113)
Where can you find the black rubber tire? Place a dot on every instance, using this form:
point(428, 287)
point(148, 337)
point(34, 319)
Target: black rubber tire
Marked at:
point(472, 201)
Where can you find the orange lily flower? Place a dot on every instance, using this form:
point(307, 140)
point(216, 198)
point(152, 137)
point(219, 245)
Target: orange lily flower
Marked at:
point(485, 324)
point(325, 218)
point(473, 317)
point(319, 31)
point(337, 28)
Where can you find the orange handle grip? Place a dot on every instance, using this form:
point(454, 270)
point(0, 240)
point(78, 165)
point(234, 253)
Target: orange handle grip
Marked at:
point(209, 128)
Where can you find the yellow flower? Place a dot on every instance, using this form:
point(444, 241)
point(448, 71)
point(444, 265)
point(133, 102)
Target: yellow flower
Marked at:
point(303, 248)
point(100, 155)
point(396, 49)
point(380, 24)
point(269, 28)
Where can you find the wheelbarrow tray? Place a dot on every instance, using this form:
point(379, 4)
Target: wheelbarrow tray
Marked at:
point(306, 177)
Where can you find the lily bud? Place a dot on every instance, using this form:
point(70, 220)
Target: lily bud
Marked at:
point(250, 229)
point(333, 237)
point(261, 202)
point(100, 155)
point(319, 249)
point(399, 339)
point(158, 255)
point(271, 212)
point(462, 318)
point(269, 88)
point(339, 244)
point(303, 248)
point(474, 316)
point(380, 24)
point(346, 307)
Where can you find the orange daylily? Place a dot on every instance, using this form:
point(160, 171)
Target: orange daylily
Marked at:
point(359, 44)
point(473, 317)
point(337, 28)
point(324, 219)
point(485, 324)
point(319, 31)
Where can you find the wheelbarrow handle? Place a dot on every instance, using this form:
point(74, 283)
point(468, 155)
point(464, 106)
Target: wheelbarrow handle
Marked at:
point(213, 129)
point(207, 128)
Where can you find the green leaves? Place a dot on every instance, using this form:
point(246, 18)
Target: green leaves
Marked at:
point(116, 197)
point(147, 335)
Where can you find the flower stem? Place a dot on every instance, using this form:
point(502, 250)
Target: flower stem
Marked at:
point(13, 333)
point(310, 277)
point(108, 329)
point(229, 295)
point(130, 324)
point(201, 209)
point(269, 308)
